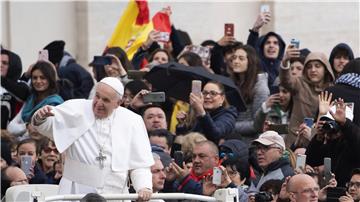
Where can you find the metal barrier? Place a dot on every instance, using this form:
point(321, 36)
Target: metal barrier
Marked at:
point(223, 195)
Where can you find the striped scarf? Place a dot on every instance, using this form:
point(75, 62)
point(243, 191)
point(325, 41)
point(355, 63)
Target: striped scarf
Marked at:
point(351, 79)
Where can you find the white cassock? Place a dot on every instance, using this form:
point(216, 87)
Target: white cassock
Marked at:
point(122, 137)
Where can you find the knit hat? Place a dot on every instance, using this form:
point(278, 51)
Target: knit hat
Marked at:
point(56, 51)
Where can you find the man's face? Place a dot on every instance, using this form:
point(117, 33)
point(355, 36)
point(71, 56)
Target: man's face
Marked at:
point(305, 190)
point(154, 118)
point(161, 141)
point(354, 189)
point(4, 64)
point(340, 61)
point(203, 159)
point(158, 176)
point(105, 101)
point(267, 154)
point(271, 47)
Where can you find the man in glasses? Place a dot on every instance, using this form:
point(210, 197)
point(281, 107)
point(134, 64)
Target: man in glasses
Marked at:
point(269, 148)
point(303, 188)
point(353, 187)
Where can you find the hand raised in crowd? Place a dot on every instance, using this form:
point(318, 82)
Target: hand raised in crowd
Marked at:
point(181, 173)
point(181, 117)
point(42, 114)
point(340, 114)
point(153, 36)
point(144, 194)
point(208, 187)
point(197, 101)
point(138, 101)
point(115, 69)
point(291, 52)
point(304, 131)
point(323, 191)
point(284, 194)
point(226, 40)
point(262, 19)
point(346, 198)
point(272, 99)
point(324, 102)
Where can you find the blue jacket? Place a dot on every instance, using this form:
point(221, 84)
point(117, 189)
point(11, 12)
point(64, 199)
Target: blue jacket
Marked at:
point(217, 124)
point(270, 66)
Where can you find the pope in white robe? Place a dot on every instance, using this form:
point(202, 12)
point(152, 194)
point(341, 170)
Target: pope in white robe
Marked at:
point(103, 143)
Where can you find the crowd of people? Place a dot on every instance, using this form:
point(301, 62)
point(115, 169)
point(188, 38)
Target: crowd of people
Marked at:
point(95, 132)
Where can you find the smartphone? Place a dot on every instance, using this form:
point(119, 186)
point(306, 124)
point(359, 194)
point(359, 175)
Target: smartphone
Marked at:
point(229, 29)
point(196, 87)
point(279, 128)
point(274, 90)
point(309, 121)
point(179, 158)
point(334, 193)
point(216, 179)
point(300, 161)
point(264, 8)
point(43, 55)
point(26, 164)
point(327, 169)
point(154, 97)
point(295, 43)
point(135, 74)
point(101, 61)
point(164, 36)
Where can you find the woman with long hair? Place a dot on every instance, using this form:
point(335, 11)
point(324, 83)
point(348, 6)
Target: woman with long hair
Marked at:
point(244, 69)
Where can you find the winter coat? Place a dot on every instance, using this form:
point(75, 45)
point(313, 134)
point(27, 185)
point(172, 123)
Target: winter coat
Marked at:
point(305, 95)
point(343, 151)
point(270, 66)
point(244, 127)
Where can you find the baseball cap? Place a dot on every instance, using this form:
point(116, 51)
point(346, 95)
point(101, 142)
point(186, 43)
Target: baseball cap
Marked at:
point(269, 138)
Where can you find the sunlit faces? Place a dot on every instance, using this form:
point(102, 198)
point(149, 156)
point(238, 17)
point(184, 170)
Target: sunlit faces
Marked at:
point(49, 155)
point(267, 154)
point(4, 64)
point(315, 71)
point(39, 82)
point(339, 62)
point(105, 101)
point(213, 96)
point(285, 96)
point(127, 98)
point(154, 118)
point(161, 57)
point(239, 61)
point(27, 149)
point(203, 159)
point(271, 47)
point(158, 176)
point(296, 69)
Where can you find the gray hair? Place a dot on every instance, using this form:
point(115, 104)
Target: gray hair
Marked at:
point(156, 156)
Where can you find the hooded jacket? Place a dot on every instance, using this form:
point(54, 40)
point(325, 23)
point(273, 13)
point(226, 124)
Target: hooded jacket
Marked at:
point(340, 46)
point(305, 95)
point(270, 66)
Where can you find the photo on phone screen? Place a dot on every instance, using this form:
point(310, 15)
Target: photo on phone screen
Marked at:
point(229, 29)
point(216, 179)
point(300, 161)
point(264, 8)
point(26, 164)
point(43, 55)
point(196, 87)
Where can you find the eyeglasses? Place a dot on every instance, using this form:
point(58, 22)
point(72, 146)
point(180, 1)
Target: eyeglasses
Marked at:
point(308, 190)
point(226, 154)
point(355, 184)
point(211, 93)
point(265, 148)
point(48, 150)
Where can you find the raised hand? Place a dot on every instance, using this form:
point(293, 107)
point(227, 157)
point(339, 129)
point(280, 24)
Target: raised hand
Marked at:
point(197, 102)
point(115, 69)
point(291, 52)
point(324, 102)
point(262, 19)
point(340, 114)
point(272, 99)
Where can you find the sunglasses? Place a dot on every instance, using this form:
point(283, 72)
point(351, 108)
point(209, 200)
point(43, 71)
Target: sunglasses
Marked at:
point(48, 150)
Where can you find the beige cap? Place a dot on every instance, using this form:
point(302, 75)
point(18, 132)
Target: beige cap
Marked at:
point(269, 138)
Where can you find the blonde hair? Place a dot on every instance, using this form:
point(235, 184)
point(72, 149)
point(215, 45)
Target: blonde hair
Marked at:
point(190, 140)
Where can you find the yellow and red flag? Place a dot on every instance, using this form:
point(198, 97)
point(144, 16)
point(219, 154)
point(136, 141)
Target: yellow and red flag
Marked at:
point(134, 27)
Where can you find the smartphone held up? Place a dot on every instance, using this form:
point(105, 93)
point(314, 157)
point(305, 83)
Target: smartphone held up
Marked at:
point(229, 29)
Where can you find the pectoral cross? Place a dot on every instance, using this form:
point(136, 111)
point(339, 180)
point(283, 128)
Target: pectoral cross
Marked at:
point(101, 158)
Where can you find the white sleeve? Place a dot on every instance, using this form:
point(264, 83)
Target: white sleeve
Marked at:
point(141, 178)
point(45, 128)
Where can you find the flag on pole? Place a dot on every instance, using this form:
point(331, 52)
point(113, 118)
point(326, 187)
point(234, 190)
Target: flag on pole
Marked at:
point(134, 27)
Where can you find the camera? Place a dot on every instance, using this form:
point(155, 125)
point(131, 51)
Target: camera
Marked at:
point(330, 126)
point(263, 197)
